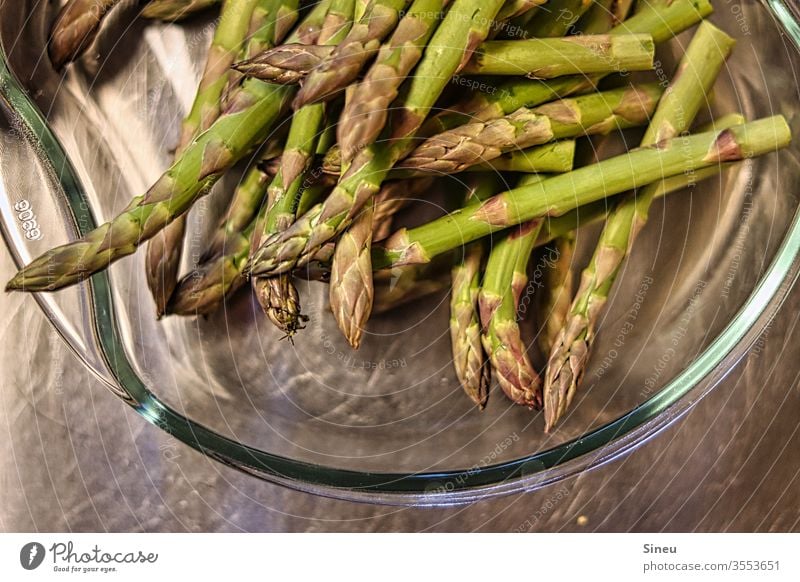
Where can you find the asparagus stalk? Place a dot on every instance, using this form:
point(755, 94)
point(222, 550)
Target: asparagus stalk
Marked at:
point(277, 295)
point(558, 18)
point(164, 250)
point(367, 104)
point(598, 113)
point(351, 290)
point(465, 26)
point(688, 92)
point(469, 359)
point(505, 279)
point(662, 19)
point(75, 29)
point(344, 64)
point(533, 58)
point(175, 9)
point(560, 194)
point(553, 157)
point(546, 58)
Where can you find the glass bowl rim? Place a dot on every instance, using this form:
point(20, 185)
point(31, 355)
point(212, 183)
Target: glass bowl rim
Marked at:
point(442, 488)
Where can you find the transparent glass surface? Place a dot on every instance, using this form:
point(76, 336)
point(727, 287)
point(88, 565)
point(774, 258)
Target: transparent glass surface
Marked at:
point(388, 423)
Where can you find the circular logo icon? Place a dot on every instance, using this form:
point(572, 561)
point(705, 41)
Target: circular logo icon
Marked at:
point(31, 555)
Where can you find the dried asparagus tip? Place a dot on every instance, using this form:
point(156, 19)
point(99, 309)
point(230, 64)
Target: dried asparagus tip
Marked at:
point(75, 29)
point(287, 64)
point(351, 289)
point(688, 92)
point(280, 301)
point(469, 359)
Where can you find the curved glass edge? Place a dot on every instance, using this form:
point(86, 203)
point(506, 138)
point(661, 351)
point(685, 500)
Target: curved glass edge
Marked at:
point(591, 450)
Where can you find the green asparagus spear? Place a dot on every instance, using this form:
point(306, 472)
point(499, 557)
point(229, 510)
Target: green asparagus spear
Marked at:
point(504, 281)
point(75, 29)
point(551, 158)
point(469, 359)
point(565, 192)
point(688, 92)
point(597, 113)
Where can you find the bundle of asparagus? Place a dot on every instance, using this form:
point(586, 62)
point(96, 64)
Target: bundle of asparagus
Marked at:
point(373, 130)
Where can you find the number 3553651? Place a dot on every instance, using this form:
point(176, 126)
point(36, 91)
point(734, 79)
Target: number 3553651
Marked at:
point(28, 220)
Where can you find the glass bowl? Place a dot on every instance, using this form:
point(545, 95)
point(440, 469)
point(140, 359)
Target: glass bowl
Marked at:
point(387, 424)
